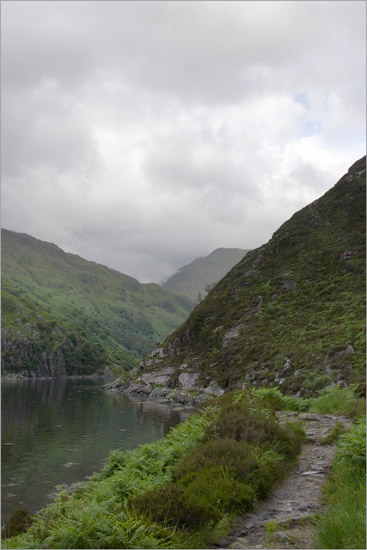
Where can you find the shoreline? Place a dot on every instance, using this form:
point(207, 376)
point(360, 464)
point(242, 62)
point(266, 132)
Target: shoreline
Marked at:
point(164, 395)
point(20, 377)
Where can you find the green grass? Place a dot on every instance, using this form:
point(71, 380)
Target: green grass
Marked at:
point(337, 400)
point(343, 525)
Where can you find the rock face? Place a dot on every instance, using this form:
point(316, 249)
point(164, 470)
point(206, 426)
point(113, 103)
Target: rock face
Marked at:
point(171, 384)
point(31, 352)
point(187, 381)
point(291, 313)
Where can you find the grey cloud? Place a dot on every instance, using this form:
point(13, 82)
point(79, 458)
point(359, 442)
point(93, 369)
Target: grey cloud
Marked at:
point(202, 51)
point(44, 127)
point(145, 134)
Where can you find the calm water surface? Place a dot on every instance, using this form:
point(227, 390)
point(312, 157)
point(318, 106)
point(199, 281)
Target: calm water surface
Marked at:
point(59, 431)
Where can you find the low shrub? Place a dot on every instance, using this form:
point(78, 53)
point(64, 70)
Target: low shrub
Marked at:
point(243, 421)
point(337, 400)
point(218, 452)
point(18, 523)
point(207, 497)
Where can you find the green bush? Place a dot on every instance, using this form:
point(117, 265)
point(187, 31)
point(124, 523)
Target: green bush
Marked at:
point(219, 452)
point(243, 421)
point(215, 491)
point(210, 493)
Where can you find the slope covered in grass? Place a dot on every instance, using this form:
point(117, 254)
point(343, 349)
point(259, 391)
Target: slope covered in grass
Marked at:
point(61, 313)
point(292, 312)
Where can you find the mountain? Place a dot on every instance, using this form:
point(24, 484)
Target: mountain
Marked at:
point(290, 314)
point(193, 279)
point(63, 314)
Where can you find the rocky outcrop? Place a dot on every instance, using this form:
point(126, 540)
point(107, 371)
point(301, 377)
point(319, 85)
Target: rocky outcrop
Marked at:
point(21, 353)
point(171, 384)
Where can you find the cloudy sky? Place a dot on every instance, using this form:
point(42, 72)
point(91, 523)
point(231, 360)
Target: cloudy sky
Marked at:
point(142, 135)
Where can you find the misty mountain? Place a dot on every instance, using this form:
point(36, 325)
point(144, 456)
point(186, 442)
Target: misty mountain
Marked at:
point(193, 279)
point(63, 314)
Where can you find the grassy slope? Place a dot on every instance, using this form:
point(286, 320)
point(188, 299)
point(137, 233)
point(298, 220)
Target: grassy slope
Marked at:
point(297, 303)
point(44, 287)
point(192, 279)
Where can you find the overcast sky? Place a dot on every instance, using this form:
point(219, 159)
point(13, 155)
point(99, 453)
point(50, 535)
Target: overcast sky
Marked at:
point(142, 135)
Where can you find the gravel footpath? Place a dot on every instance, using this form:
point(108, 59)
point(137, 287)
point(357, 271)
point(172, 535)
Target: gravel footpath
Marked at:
point(297, 498)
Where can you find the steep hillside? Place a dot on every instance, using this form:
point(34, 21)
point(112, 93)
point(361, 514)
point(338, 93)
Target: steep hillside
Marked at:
point(193, 279)
point(291, 313)
point(61, 313)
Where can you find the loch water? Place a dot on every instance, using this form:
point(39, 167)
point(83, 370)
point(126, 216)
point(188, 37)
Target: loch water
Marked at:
point(60, 431)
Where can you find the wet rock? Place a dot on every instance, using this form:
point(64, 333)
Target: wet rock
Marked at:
point(160, 393)
point(141, 388)
point(114, 385)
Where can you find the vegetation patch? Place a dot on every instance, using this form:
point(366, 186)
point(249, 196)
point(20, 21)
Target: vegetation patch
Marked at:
point(62, 314)
point(337, 400)
point(343, 525)
point(181, 491)
point(243, 452)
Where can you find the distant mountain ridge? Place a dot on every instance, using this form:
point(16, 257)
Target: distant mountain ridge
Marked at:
point(193, 279)
point(62, 314)
point(290, 314)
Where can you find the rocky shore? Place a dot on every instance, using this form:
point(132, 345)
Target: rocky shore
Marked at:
point(172, 385)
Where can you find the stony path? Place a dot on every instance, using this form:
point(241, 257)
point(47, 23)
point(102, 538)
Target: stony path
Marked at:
point(297, 498)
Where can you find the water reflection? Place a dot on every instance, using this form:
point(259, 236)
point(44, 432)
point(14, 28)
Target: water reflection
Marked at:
point(59, 431)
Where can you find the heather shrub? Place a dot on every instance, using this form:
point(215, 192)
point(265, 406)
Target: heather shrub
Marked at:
point(243, 421)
